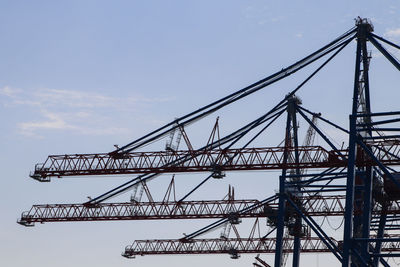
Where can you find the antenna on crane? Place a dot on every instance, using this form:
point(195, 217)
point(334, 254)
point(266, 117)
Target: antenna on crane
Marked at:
point(174, 134)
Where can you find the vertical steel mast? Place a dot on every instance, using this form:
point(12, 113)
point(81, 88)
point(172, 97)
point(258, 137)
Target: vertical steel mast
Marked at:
point(293, 223)
point(359, 179)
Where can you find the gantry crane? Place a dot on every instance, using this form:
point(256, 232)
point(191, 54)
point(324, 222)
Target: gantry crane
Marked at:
point(359, 182)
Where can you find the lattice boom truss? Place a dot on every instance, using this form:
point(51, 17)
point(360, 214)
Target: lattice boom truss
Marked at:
point(387, 152)
point(140, 211)
point(231, 246)
point(218, 246)
point(314, 206)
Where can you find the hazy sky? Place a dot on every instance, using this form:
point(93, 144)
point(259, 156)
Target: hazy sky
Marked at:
point(81, 76)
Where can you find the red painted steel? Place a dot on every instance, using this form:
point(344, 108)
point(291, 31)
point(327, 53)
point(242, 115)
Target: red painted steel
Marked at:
point(232, 246)
point(180, 161)
point(219, 246)
point(313, 206)
point(139, 211)
point(206, 209)
point(267, 158)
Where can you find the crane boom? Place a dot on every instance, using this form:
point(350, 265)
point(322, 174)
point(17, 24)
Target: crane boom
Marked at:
point(268, 158)
point(232, 246)
point(316, 205)
point(139, 211)
point(205, 209)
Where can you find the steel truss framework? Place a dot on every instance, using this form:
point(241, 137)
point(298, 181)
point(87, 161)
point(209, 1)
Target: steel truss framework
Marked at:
point(206, 209)
point(359, 182)
point(268, 158)
point(232, 246)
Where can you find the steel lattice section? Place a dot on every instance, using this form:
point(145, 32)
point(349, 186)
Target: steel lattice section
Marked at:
point(388, 152)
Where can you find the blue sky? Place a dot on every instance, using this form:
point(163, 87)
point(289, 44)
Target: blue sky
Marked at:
point(81, 76)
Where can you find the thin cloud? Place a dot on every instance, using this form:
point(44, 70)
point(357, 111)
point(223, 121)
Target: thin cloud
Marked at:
point(10, 92)
point(73, 111)
point(392, 9)
point(104, 131)
point(262, 15)
point(73, 121)
point(73, 99)
point(52, 122)
point(277, 19)
point(393, 32)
